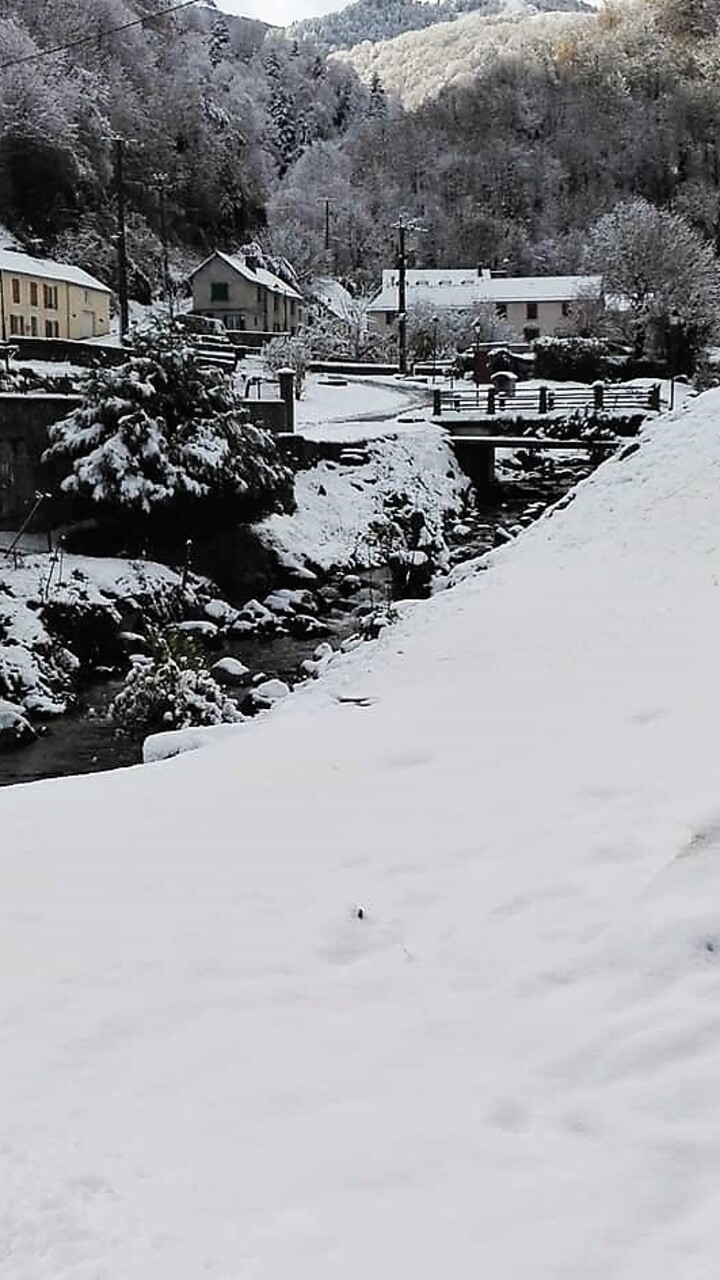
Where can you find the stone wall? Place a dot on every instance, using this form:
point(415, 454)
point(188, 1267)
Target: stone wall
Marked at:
point(24, 421)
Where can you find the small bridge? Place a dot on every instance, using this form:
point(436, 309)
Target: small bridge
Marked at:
point(476, 453)
point(522, 401)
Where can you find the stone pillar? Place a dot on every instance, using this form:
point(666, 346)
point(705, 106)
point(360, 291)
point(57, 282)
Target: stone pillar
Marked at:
point(286, 378)
point(598, 396)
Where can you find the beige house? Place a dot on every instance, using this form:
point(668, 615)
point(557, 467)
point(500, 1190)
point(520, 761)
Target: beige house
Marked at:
point(238, 290)
point(44, 299)
point(534, 306)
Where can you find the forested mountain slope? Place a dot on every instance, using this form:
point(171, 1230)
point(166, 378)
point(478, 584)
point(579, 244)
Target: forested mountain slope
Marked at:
point(384, 19)
point(213, 111)
point(417, 66)
point(502, 140)
point(532, 134)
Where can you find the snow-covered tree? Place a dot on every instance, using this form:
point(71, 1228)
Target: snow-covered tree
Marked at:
point(166, 442)
point(660, 271)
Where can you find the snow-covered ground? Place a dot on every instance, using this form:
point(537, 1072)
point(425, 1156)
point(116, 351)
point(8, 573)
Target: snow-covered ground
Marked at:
point(364, 409)
point(416, 976)
point(337, 505)
point(35, 668)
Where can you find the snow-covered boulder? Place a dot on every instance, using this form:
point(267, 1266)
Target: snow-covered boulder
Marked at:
point(15, 730)
point(221, 613)
point(304, 624)
point(230, 671)
point(199, 629)
point(288, 601)
point(257, 614)
point(164, 746)
point(321, 659)
point(269, 692)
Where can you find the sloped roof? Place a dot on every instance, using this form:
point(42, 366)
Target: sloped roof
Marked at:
point(256, 275)
point(333, 295)
point(22, 264)
point(465, 288)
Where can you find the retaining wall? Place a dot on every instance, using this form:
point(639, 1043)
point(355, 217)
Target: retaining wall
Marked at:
point(24, 422)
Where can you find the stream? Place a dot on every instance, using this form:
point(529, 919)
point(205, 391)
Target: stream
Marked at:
point(86, 741)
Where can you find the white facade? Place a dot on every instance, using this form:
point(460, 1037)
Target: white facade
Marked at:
point(244, 295)
point(534, 306)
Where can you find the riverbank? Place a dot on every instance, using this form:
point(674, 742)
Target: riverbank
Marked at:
point(338, 603)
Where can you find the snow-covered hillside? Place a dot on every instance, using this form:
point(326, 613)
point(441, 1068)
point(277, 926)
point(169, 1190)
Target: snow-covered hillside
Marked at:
point(419, 974)
point(419, 64)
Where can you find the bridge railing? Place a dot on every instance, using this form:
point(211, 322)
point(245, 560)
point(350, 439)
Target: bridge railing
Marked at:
point(595, 399)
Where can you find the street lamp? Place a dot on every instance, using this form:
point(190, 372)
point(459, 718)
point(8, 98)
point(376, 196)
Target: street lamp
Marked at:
point(478, 362)
point(435, 322)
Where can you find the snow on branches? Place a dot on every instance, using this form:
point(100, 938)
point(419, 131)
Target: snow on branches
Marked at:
point(161, 438)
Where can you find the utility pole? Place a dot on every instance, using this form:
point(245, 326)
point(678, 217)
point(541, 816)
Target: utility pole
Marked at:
point(401, 226)
point(167, 282)
point(402, 301)
point(121, 246)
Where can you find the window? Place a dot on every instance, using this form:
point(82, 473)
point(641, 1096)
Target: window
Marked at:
point(566, 308)
point(531, 310)
point(501, 310)
point(16, 290)
point(52, 329)
point(33, 293)
point(17, 325)
point(33, 326)
point(50, 297)
point(219, 291)
point(531, 332)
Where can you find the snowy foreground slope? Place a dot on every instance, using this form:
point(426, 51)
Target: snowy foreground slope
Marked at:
point(509, 1067)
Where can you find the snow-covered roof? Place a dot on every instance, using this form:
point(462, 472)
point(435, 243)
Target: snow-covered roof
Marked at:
point(466, 287)
point(256, 275)
point(22, 264)
point(333, 295)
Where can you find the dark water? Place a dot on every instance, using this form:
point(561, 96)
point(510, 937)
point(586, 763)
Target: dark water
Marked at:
point(87, 741)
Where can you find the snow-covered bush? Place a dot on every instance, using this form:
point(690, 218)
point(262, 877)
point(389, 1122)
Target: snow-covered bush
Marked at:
point(171, 690)
point(162, 441)
point(581, 359)
point(290, 353)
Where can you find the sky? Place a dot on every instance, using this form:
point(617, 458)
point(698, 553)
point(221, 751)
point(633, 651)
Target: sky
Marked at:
point(280, 12)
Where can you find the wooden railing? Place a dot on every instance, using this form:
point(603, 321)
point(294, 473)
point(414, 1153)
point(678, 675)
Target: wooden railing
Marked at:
point(596, 399)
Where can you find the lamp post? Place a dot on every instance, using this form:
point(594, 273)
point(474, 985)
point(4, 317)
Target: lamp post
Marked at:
point(478, 362)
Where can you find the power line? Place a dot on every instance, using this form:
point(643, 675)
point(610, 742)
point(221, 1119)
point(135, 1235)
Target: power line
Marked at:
point(108, 31)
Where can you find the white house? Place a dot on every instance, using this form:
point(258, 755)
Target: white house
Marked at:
point(244, 294)
point(534, 306)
